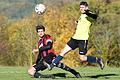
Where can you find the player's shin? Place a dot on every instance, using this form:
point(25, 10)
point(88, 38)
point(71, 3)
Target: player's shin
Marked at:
point(65, 67)
point(91, 59)
point(95, 59)
point(57, 60)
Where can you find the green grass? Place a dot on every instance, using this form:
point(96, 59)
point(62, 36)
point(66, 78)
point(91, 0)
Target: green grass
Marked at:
point(88, 73)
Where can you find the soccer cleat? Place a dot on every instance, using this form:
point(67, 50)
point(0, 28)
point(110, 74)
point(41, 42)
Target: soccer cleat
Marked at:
point(100, 62)
point(50, 66)
point(78, 75)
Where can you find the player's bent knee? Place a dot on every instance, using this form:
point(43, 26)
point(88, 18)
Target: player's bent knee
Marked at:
point(31, 71)
point(83, 58)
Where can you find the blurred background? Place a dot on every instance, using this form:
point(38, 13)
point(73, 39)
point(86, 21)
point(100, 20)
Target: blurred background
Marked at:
point(18, 36)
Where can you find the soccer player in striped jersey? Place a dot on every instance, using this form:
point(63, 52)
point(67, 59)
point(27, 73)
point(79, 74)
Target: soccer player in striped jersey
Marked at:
point(46, 56)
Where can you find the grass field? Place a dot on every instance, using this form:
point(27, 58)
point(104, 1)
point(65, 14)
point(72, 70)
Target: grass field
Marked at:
point(87, 73)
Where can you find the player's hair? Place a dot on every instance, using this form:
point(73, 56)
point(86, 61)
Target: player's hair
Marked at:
point(83, 3)
point(40, 27)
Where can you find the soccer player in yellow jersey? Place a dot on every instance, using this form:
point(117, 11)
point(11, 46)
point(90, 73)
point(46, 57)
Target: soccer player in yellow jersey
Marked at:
point(80, 38)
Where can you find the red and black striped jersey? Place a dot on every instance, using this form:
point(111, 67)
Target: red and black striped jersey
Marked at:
point(45, 46)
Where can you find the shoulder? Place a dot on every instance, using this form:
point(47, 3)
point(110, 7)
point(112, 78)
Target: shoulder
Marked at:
point(49, 38)
point(48, 35)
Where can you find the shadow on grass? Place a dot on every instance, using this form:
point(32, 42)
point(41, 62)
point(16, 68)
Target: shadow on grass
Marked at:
point(60, 75)
point(102, 75)
point(63, 75)
point(56, 75)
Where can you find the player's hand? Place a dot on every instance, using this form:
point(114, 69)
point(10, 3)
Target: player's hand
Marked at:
point(33, 64)
point(76, 22)
point(35, 50)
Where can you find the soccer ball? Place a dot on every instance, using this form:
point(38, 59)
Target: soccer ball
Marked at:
point(40, 8)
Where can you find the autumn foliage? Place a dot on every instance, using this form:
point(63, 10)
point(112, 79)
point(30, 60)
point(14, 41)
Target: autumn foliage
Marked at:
point(18, 38)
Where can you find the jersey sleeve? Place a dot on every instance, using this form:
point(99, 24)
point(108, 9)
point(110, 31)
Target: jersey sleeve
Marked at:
point(91, 14)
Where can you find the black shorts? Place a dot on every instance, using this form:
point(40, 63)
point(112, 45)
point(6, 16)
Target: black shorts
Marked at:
point(40, 65)
point(81, 44)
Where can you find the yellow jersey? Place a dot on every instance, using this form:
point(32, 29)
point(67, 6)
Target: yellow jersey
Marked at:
point(83, 28)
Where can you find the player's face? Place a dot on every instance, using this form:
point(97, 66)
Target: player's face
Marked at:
point(41, 32)
point(83, 8)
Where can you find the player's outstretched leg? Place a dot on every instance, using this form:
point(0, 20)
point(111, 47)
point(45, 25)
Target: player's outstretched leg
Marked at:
point(65, 67)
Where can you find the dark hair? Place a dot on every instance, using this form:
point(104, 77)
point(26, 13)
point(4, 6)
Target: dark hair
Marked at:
point(83, 3)
point(40, 27)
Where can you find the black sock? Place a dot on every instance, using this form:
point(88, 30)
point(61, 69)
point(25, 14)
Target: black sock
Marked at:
point(57, 60)
point(65, 67)
point(37, 75)
point(91, 59)
point(73, 72)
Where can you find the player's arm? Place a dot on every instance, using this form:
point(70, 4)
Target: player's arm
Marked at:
point(46, 47)
point(38, 58)
point(91, 14)
point(35, 51)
